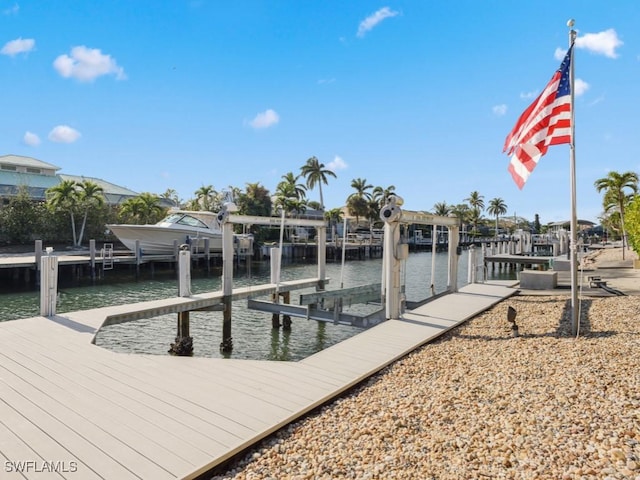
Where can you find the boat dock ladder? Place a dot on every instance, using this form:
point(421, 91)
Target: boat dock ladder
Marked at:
point(107, 256)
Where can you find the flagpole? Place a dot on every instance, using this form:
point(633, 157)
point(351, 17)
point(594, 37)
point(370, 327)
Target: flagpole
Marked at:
point(575, 311)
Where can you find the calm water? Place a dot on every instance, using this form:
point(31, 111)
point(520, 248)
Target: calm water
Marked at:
point(253, 337)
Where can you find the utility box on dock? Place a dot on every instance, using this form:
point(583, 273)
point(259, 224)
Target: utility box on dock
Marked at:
point(538, 279)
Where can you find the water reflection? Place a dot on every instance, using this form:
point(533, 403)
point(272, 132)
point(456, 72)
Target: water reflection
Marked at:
point(280, 344)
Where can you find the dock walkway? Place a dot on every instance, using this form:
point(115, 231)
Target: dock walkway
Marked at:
point(70, 409)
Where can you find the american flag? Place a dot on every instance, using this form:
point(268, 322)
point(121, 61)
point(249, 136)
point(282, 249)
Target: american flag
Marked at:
point(547, 121)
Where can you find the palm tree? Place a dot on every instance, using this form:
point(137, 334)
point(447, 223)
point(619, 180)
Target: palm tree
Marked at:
point(333, 217)
point(615, 197)
point(497, 207)
point(380, 194)
point(205, 196)
point(316, 174)
point(90, 195)
point(255, 200)
point(476, 201)
point(286, 197)
point(145, 209)
point(441, 209)
point(64, 197)
point(172, 196)
point(358, 202)
point(464, 213)
point(298, 189)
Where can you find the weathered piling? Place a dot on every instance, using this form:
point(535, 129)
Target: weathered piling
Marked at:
point(48, 284)
point(183, 345)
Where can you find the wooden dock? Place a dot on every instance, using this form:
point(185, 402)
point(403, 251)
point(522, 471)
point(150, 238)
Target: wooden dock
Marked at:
point(70, 409)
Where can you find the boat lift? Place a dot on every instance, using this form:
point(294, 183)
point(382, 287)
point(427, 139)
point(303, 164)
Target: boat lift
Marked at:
point(327, 305)
point(395, 253)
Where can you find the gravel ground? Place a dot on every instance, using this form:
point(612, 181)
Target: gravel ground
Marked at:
point(481, 403)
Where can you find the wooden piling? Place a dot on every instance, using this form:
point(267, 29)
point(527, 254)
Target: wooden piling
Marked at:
point(183, 345)
point(92, 255)
point(226, 346)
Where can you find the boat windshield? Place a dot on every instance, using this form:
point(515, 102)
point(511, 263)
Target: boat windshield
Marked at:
point(182, 219)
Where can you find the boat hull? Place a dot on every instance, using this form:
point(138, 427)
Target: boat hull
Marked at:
point(154, 240)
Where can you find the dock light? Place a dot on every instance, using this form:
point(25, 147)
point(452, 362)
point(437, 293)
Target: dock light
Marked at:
point(511, 317)
point(49, 250)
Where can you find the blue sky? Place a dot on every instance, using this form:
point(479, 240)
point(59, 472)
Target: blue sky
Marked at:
point(417, 94)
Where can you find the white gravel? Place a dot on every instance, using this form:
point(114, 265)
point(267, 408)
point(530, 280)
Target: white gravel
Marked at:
point(481, 403)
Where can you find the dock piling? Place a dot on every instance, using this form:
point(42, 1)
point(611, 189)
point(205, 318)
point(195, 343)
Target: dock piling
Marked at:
point(49, 284)
point(183, 345)
point(226, 346)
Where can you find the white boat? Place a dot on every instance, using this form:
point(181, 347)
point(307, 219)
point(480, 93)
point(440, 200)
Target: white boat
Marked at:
point(181, 226)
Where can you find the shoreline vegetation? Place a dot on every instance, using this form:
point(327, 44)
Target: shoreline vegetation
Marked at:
point(480, 403)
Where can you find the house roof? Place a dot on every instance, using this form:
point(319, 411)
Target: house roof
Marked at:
point(22, 161)
point(37, 184)
point(108, 187)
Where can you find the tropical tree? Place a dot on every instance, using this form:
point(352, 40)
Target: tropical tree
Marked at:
point(205, 197)
point(464, 213)
point(476, 201)
point(358, 202)
point(255, 200)
point(316, 174)
point(90, 196)
point(380, 194)
point(536, 223)
point(64, 197)
point(633, 223)
point(333, 217)
point(21, 219)
point(298, 190)
point(497, 207)
point(287, 197)
point(144, 209)
point(616, 197)
point(441, 209)
point(172, 196)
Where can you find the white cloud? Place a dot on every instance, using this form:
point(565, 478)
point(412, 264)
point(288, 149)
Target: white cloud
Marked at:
point(603, 43)
point(31, 139)
point(19, 45)
point(337, 164)
point(499, 110)
point(265, 119)
point(374, 19)
point(11, 10)
point(559, 53)
point(580, 86)
point(529, 95)
point(64, 134)
point(86, 64)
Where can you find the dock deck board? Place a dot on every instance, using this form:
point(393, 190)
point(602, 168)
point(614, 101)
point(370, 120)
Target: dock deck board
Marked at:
point(119, 416)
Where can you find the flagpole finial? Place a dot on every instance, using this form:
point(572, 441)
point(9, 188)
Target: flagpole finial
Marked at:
point(571, 23)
